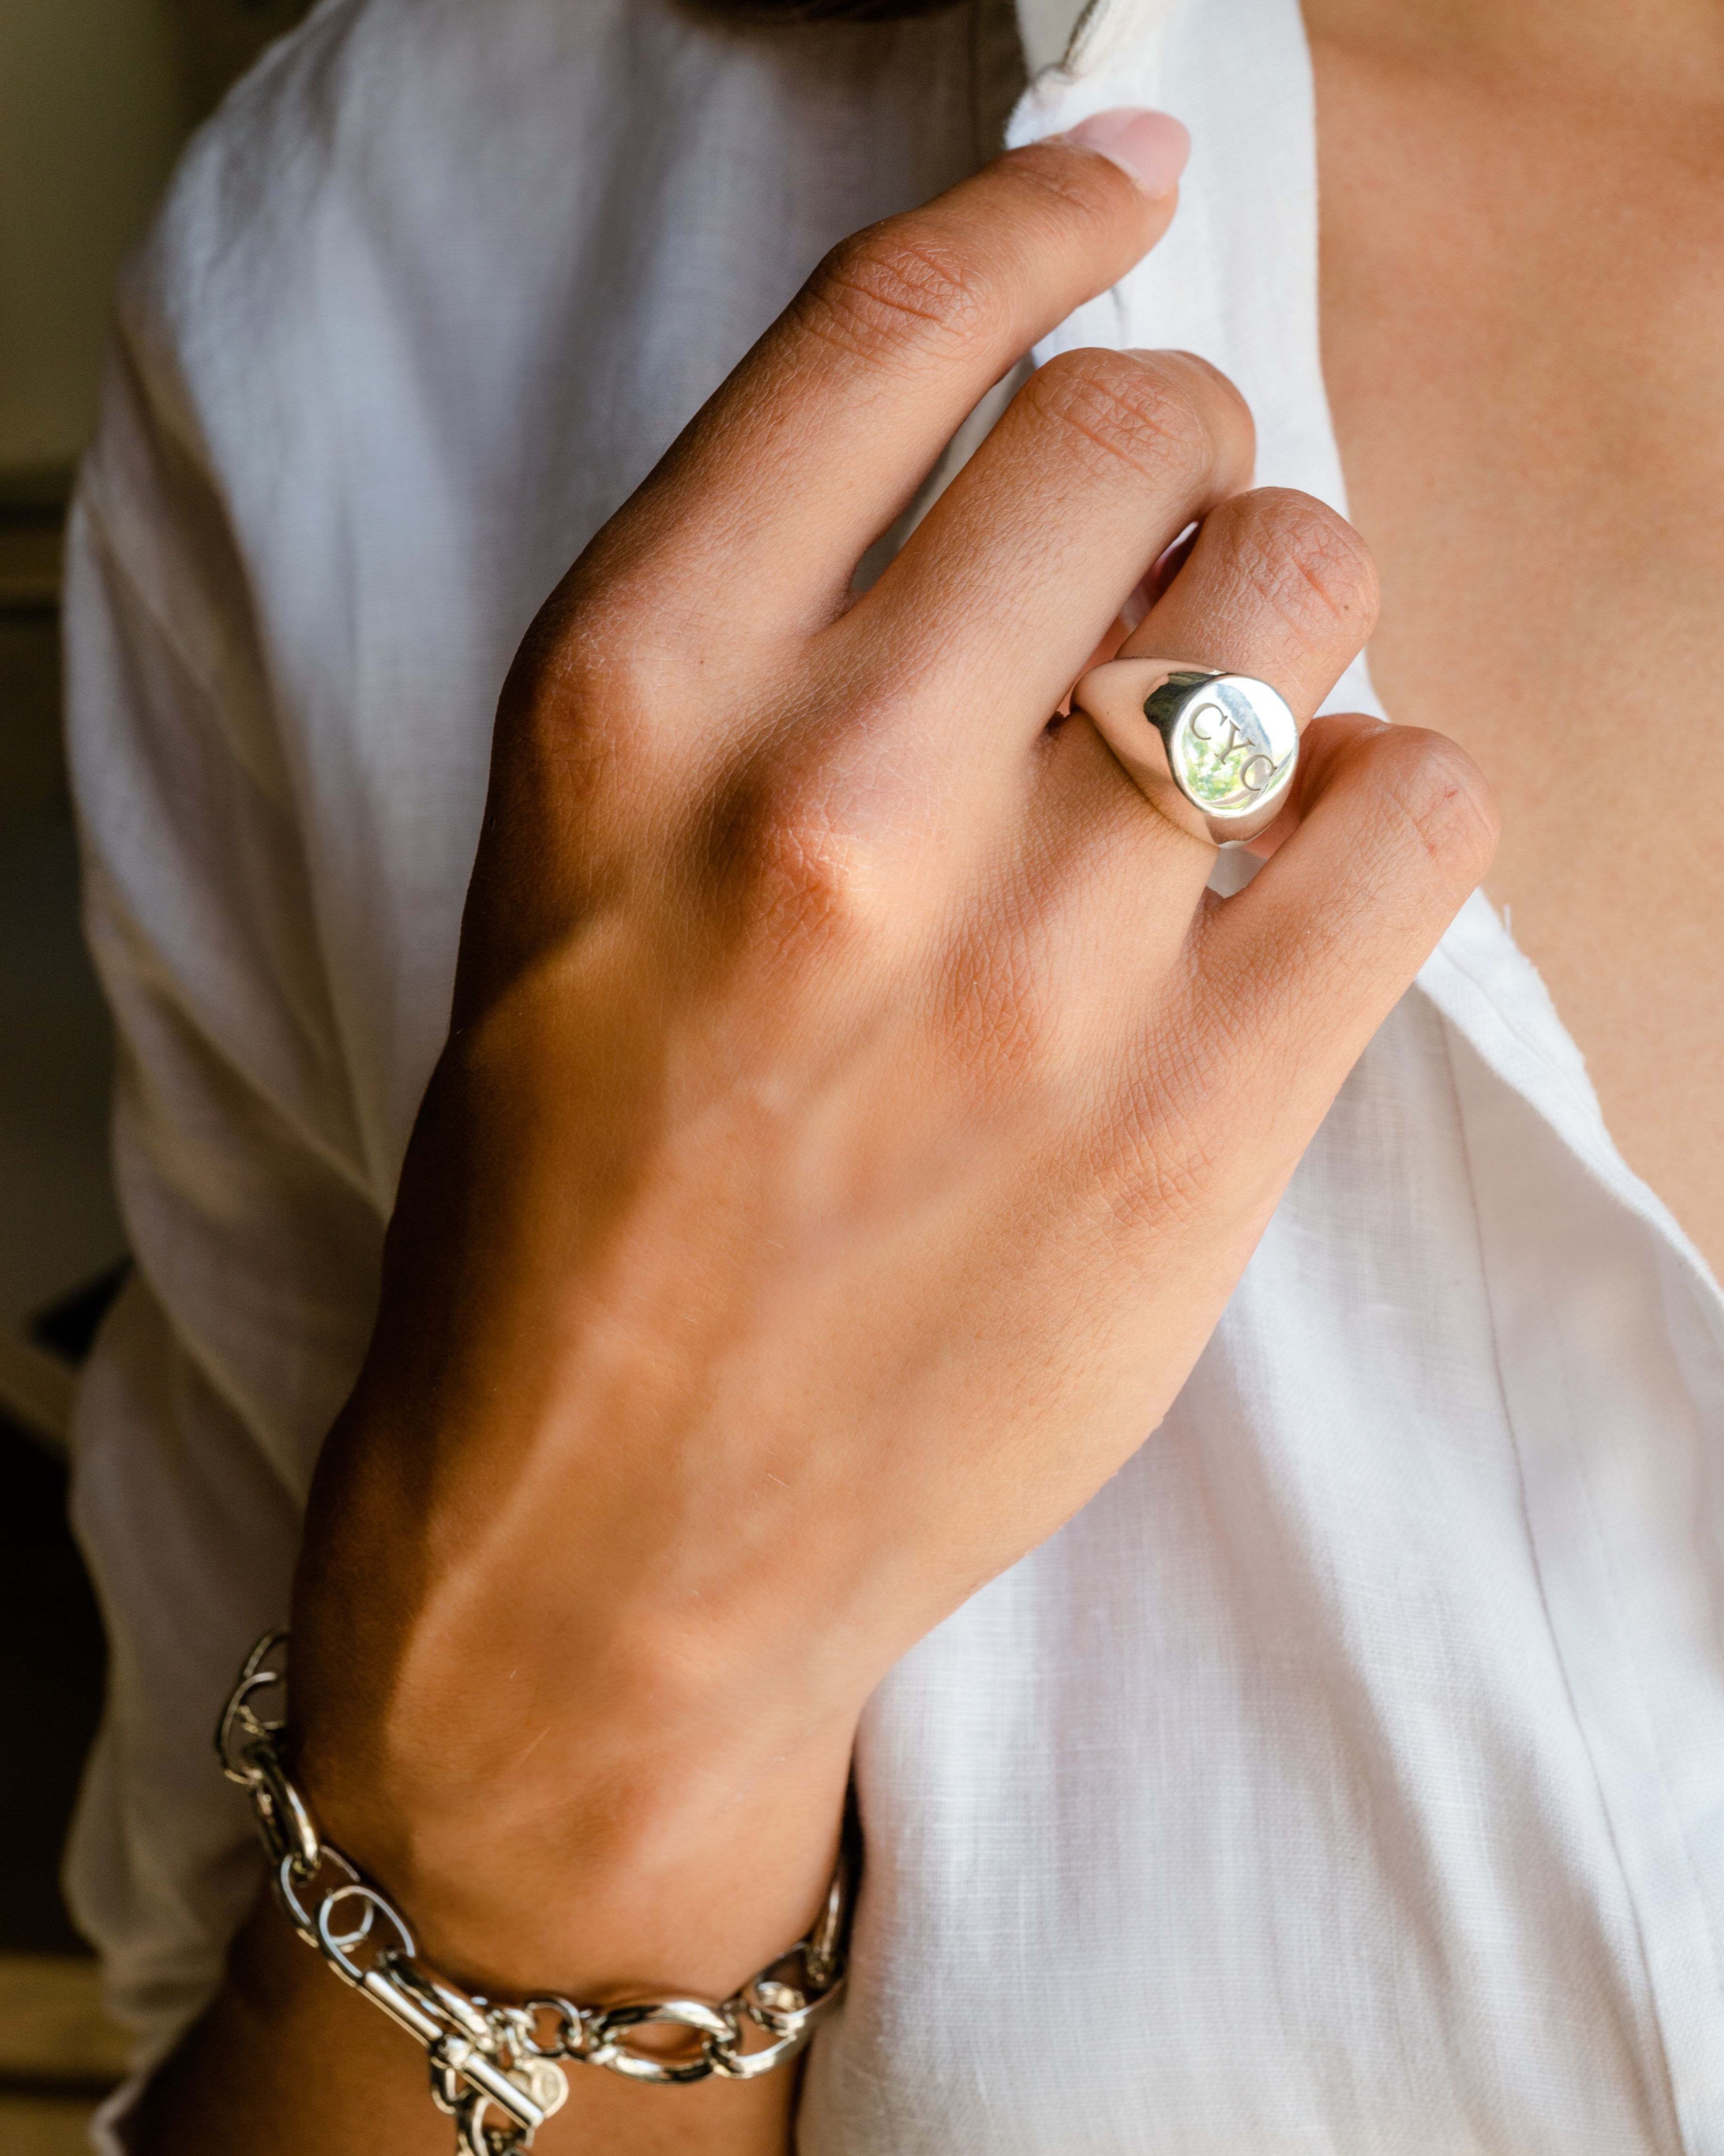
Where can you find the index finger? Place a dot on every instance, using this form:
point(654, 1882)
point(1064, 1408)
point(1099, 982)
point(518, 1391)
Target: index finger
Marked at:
point(820, 438)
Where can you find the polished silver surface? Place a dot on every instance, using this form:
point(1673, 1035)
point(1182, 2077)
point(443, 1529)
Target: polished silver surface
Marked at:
point(1216, 754)
point(484, 2056)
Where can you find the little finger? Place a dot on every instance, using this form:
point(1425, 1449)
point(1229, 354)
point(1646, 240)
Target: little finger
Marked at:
point(1396, 829)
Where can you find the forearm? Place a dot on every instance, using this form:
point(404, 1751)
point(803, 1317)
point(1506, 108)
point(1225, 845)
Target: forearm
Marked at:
point(661, 1842)
point(571, 1773)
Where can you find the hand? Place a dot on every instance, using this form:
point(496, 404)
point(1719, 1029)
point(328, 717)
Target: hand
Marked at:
point(856, 1111)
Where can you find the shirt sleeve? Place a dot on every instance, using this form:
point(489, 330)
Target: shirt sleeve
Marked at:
point(251, 1212)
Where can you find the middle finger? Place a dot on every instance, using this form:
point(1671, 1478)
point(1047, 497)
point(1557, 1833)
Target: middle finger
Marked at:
point(1006, 588)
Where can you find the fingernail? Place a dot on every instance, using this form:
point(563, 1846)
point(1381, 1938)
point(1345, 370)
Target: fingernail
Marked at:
point(1152, 147)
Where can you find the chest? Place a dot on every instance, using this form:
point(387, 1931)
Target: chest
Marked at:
point(1523, 338)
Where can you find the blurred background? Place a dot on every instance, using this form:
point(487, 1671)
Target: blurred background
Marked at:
point(96, 97)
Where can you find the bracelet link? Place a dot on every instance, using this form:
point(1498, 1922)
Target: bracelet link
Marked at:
point(482, 2055)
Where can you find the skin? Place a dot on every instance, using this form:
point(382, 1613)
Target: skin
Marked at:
point(855, 1116)
point(1532, 197)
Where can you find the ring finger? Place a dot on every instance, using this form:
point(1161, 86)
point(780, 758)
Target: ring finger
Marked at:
point(1278, 586)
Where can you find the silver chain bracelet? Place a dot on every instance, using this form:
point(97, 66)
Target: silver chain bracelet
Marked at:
point(484, 2056)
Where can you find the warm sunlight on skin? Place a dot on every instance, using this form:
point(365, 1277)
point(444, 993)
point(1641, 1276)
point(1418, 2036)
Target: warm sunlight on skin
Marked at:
point(805, 1219)
point(1523, 332)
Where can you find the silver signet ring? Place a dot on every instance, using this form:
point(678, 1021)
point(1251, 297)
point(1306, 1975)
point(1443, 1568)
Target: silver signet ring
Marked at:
point(1215, 753)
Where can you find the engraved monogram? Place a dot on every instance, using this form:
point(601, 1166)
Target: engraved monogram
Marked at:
point(1224, 745)
point(1263, 766)
point(1224, 760)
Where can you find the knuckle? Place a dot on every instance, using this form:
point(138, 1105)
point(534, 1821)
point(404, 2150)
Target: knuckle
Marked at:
point(575, 702)
point(1212, 394)
point(899, 282)
point(1115, 409)
point(551, 713)
point(1089, 190)
point(779, 853)
point(1448, 809)
point(1297, 560)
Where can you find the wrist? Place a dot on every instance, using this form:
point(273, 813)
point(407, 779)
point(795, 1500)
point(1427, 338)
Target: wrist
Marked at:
point(619, 1822)
point(511, 2055)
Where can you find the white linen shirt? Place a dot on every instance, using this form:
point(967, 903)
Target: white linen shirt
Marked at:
point(1348, 1776)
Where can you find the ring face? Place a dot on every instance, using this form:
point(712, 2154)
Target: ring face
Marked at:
point(1232, 743)
point(1215, 753)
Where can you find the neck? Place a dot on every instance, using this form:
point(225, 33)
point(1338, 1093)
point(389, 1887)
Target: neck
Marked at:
point(1662, 48)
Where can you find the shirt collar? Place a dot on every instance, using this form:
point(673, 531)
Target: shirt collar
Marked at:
point(1078, 37)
